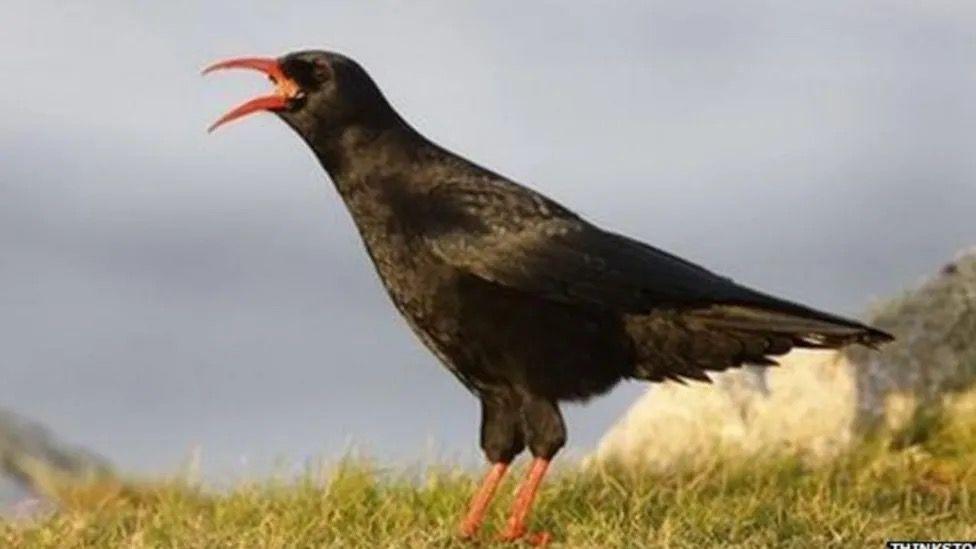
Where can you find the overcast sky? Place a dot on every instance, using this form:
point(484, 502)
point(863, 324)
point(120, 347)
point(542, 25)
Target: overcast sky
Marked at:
point(163, 289)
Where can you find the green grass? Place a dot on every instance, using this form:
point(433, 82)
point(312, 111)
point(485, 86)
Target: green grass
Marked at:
point(886, 489)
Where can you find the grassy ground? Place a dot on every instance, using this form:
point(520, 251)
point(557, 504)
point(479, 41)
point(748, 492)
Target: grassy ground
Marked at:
point(919, 485)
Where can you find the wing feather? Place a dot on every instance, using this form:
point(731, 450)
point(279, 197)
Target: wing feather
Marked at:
point(510, 235)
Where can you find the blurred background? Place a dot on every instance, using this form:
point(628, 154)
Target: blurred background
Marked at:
point(166, 293)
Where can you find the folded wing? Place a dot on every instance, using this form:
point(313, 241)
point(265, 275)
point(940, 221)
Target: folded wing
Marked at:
point(512, 236)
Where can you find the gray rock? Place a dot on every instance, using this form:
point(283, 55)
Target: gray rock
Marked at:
point(39, 465)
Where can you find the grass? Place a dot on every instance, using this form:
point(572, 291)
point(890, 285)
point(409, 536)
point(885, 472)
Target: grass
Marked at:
point(921, 486)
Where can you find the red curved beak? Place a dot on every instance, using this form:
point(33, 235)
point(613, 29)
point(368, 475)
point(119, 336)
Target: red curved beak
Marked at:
point(285, 88)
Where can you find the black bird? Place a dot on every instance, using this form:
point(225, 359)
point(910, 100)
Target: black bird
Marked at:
point(525, 302)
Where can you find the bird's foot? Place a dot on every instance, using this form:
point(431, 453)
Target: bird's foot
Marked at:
point(535, 539)
point(468, 530)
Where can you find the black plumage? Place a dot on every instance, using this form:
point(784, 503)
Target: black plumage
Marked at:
point(524, 301)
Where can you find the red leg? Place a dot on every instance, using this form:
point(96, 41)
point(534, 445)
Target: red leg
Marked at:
point(516, 528)
point(479, 503)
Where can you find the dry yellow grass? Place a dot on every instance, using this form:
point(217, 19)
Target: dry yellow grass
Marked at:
point(920, 483)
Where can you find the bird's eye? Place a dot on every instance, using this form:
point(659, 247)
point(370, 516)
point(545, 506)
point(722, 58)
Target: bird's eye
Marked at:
point(305, 73)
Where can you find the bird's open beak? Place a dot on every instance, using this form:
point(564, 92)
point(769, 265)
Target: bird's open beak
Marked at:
point(285, 88)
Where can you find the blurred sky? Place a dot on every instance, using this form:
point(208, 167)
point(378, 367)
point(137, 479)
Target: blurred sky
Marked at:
point(163, 289)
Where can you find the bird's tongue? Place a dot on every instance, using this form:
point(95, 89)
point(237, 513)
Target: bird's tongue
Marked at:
point(285, 88)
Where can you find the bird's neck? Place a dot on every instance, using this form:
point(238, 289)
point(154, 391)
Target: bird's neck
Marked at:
point(358, 155)
point(376, 172)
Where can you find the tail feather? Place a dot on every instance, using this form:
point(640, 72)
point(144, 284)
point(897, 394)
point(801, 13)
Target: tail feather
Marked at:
point(680, 344)
point(806, 328)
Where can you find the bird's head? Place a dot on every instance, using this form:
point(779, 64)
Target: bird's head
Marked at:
point(314, 91)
